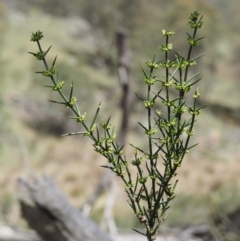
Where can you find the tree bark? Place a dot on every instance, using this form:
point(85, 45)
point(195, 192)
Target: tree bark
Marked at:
point(124, 70)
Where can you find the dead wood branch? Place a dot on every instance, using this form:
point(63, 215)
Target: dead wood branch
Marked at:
point(48, 212)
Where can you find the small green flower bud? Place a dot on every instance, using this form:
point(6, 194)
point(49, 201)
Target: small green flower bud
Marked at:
point(190, 132)
point(143, 180)
point(193, 20)
point(183, 63)
point(192, 63)
point(72, 102)
point(105, 125)
point(167, 48)
point(196, 94)
point(168, 83)
point(159, 113)
point(58, 86)
point(130, 185)
point(194, 112)
point(168, 64)
point(193, 42)
point(182, 87)
point(93, 128)
point(152, 65)
point(179, 110)
point(167, 33)
point(151, 132)
point(39, 55)
point(168, 103)
point(49, 73)
point(37, 36)
point(81, 118)
point(149, 103)
point(164, 140)
point(150, 81)
point(153, 176)
point(137, 161)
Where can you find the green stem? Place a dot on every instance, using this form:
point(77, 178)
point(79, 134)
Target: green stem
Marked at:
point(189, 55)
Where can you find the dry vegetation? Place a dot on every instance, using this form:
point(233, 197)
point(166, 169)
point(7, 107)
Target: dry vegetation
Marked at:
point(209, 176)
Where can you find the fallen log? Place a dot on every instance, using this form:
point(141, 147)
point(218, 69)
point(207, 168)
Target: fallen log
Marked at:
point(49, 213)
point(11, 233)
point(202, 232)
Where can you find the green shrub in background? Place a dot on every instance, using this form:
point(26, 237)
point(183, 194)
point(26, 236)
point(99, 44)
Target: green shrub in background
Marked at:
point(170, 122)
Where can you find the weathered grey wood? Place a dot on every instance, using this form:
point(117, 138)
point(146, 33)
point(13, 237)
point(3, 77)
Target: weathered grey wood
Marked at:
point(199, 231)
point(107, 180)
point(124, 70)
point(9, 233)
point(48, 212)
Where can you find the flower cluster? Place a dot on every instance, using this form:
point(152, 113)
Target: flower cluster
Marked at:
point(37, 36)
